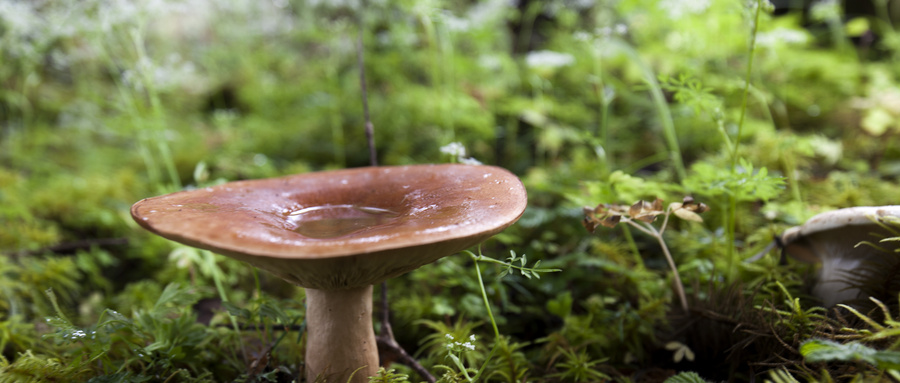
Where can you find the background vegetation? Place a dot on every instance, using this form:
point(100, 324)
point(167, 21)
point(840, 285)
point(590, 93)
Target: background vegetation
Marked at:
point(767, 115)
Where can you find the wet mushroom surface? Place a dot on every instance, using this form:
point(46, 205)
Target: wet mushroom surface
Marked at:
point(337, 233)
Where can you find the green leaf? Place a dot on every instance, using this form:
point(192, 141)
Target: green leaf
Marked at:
point(857, 26)
point(236, 311)
point(821, 350)
point(561, 306)
point(270, 310)
point(745, 184)
point(175, 295)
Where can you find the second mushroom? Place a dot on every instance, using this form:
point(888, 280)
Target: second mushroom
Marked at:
point(836, 240)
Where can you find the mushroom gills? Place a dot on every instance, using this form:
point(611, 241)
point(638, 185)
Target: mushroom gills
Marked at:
point(332, 221)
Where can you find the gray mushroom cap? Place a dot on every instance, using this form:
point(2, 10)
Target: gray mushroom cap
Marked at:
point(845, 228)
point(833, 239)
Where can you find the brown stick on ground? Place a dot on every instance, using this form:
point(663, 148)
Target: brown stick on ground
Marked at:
point(387, 341)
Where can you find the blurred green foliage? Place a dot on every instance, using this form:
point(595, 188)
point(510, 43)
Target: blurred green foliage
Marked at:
point(105, 102)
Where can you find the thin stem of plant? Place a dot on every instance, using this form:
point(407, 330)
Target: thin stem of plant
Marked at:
point(487, 307)
point(651, 231)
point(746, 93)
point(662, 107)
point(732, 199)
point(626, 231)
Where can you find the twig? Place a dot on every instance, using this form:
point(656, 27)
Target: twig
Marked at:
point(386, 339)
point(386, 329)
point(370, 129)
point(406, 359)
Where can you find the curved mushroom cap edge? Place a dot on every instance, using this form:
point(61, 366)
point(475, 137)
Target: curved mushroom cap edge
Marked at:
point(856, 222)
point(435, 211)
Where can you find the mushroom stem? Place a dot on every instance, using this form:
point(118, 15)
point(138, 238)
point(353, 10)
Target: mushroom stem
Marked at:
point(340, 338)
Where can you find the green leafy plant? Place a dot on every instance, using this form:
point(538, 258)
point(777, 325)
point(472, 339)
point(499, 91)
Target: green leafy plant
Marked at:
point(388, 376)
point(105, 103)
point(821, 350)
point(579, 367)
point(529, 272)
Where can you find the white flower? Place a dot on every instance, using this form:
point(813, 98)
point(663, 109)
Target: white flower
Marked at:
point(781, 36)
point(825, 10)
point(616, 30)
point(171, 73)
point(472, 338)
point(680, 8)
point(469, 161)
point(455, 149)
point(488, 13)
point(582, 36)
point(548, 59)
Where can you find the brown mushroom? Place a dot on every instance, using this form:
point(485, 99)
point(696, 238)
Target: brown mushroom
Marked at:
point(337, 233)
point(831, 238)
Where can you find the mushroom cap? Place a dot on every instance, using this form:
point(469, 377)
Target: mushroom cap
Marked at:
point(842, 229)
point(345, 228)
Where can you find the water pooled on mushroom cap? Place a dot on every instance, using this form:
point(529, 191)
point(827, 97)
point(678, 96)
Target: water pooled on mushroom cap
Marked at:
point(345, 228)
point(332, 221)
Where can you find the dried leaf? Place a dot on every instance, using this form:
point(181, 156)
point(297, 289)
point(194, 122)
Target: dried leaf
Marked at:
point(611, 220)
point(688, 215)
point(646, 211)
point(636, 209)
point(701, 207)
point(689, 204)
point(649, 218)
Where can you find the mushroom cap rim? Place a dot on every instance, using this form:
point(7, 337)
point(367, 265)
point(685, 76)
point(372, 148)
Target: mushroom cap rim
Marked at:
point(832, 221)
point(478, 229)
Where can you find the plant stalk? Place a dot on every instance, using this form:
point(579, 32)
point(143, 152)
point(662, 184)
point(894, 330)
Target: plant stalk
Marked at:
point(651, 231)
point(490, 313)
point(732, 199)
